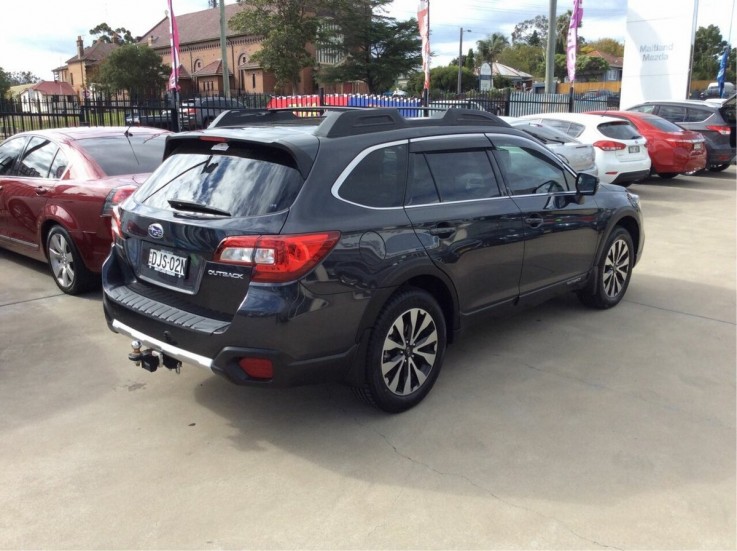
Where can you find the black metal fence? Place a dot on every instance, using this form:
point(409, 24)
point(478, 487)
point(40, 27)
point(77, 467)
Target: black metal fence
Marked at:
point(197, 112)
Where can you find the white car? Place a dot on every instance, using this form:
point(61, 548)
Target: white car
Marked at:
point(581, 157)
point(621, 155)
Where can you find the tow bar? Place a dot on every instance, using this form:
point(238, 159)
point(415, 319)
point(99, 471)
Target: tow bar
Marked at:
point(149, 359)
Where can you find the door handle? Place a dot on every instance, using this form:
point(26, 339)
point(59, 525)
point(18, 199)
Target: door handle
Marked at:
point(40, 190)
point(443, 230)
point(534, 221)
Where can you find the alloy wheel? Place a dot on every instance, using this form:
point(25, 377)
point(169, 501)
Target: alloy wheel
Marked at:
point(616, 268)
point(409, 352)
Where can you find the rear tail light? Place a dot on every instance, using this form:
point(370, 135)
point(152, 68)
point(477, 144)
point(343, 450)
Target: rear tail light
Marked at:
point(722, 129)
point(116, 196)
point(277, 258)
point(609, 145)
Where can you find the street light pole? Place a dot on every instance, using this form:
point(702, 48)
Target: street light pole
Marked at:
point(460, 58)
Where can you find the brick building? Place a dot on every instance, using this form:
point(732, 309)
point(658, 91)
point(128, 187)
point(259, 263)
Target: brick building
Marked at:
point(201, 70)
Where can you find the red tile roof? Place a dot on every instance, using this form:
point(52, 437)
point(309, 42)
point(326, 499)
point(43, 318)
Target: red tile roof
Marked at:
point(214, 68)
point(95, 53)
point(199, 26)
point(50, 88)
point(612, 60)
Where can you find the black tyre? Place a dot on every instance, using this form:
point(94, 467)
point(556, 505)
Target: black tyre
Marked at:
point(405, 352)
point(718, 168)
point(667, 175)
point(614, 270)
point(67, 268)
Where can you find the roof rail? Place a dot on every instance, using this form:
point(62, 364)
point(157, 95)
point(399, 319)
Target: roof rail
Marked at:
point(281, 115)
point(366, 121)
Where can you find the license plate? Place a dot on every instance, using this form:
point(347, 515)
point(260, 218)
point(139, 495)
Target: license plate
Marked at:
point(634, 149)
point(167, 263)
point(698, 145)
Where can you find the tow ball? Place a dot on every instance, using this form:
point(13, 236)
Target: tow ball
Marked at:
point(149, 360)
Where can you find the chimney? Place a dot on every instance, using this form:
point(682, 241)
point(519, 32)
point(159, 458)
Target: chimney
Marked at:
point(150, 41)
point(80, 47)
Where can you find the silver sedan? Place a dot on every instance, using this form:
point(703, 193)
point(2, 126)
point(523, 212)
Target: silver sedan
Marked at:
point(580, 157)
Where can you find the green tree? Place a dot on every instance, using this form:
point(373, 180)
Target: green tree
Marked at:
point(490, 49)
point(134, 68)
point(22, 77)
point(469, 62)
point(287, 27)
point(524, 57)
point(708, 47)
point(105, 33)
point(4, 83)
point(376, 49)
point(587, 67)
point(605, 45)
point(443, 80)
point(534, 32)
point(525, 30)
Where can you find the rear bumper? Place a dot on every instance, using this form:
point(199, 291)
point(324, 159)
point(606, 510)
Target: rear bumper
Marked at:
point(286, 370)
point(629, 177)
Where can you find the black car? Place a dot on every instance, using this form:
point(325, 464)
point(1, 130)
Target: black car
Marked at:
point(355, 248)
point(715, 121)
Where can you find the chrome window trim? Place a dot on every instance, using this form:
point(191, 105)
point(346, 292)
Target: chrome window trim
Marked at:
point(335, 190)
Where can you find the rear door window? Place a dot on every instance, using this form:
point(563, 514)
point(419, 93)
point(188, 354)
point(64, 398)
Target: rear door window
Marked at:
point(37, 158)
point(237, 179)
point(673, 113)
point(462, 175)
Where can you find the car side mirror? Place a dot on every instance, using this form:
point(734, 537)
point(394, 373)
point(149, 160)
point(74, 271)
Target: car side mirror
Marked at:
point(587, 184)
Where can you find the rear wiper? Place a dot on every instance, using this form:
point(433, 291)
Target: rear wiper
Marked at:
point(191, 206)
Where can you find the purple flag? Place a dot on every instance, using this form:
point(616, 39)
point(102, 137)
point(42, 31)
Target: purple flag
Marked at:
point(576, 18)
point(174, 34)
point(423, 20)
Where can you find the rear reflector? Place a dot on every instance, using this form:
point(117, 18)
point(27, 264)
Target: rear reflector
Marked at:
point(258, 368)
point(277, 258)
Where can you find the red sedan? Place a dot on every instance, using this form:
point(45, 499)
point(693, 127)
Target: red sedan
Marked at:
point(672, 149)
point(57, 190)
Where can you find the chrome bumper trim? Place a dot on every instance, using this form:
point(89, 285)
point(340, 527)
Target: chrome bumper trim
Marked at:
point(173, 351)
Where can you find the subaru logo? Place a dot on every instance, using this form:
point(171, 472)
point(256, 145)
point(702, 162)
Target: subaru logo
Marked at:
point(156, 231)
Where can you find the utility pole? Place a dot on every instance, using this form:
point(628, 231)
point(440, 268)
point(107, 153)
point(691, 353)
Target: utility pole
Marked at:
point(460, 58)
point(224, 51)
point(550, 57)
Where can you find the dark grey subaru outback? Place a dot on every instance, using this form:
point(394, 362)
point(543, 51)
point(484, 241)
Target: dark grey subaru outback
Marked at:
point(355, 247)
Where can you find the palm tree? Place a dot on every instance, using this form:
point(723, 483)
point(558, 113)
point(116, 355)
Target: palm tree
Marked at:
point(489, 50)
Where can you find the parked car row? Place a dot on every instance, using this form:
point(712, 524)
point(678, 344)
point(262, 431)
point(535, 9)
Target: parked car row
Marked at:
point(194, 114)
point(367, 239)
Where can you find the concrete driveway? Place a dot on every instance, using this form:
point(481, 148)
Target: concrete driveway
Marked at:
point(560, 428)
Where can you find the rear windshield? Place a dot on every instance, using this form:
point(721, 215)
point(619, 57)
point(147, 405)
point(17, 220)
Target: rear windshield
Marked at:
point(546, 134)
point(661, 124)
point(118, 155)
point(619, 130)
point(241, 181)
